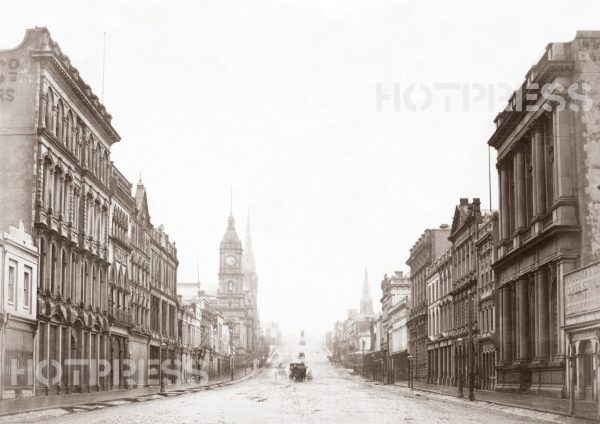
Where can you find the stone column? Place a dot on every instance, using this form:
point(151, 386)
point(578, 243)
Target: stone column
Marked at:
point(523, 318)
point(506, 293)
point(520, 203)
point(543, 322)
point(562, 147)
point(504, 194)
point(539, 169)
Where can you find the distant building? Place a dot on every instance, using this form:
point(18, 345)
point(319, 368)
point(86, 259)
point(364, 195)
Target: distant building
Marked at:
point(440, 321)
point(237, 293)
point(395, 307)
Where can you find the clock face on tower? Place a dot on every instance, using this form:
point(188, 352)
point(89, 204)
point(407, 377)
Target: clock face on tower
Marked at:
point(230, 260)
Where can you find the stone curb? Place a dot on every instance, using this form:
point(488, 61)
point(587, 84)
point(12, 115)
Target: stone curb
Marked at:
point(166, 394)
point(549, 414)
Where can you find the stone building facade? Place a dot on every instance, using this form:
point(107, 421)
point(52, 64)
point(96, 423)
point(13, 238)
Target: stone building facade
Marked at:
point(395, 306)
point(465, 226)
point(231, 296)
point(432, 244)
point(548, 214)
point(487, 298)
point(440, 321)
point(18, 308)
point(99, 257)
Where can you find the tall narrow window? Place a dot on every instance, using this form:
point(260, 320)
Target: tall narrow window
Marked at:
point(93, 302)
point(53, 264)
point(27, 287)
point(63, 274)
point(73, 276)
point(42, 267)
point(12, 276)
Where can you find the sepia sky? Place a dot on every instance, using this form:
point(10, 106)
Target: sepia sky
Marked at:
point(279, 100)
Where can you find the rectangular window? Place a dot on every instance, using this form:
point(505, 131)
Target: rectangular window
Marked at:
point(27, 287)
point(12, 275)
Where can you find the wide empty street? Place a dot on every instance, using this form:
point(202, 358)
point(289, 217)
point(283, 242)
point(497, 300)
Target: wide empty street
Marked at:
point(334, 395)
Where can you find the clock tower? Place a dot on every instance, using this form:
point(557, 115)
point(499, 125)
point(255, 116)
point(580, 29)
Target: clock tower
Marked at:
point(231, 299)
point(230, 265)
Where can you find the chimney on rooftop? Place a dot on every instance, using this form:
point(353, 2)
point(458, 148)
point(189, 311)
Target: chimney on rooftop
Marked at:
point(476, 204)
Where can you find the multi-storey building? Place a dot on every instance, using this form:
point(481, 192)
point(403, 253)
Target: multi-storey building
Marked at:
point(427, 249)
point(119, 314)
point(60, 135)
point(95, 243)
point(463, 235)
point(487, 341)
point(439, 315)
point(191, 337)
point(546, 143)
point(164, 343)
point(237, 293)
point(139, 276)
point(395, 306)
point(18, 325)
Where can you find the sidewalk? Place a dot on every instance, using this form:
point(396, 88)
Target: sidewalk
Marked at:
point(38, 403)
point(583, 409)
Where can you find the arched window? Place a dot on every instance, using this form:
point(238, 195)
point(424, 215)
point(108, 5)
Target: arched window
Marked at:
point(60, 113)
point(57, 190)
point(106, 163)
point(73, 275)
point(46, 184)
point(49, 106)
point(100, 297)
point(69, 132)
point(65, 198)
point(97, 160)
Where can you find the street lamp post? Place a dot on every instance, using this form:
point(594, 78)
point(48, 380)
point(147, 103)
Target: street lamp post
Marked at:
point(471, 346)
point(410, 384)
point(571, 376)
point(460, 369)
point(160, 371)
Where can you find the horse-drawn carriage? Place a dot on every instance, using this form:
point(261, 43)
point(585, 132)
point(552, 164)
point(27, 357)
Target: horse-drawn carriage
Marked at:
point(298, 371)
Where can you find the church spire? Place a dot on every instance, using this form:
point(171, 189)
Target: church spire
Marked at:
point(366, 303)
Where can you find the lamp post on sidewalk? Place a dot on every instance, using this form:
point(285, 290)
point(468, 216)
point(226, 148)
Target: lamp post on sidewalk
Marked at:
point(460, 368)
point(471, 346)
point(572, 376)
point(160, 371)
point(410, 358)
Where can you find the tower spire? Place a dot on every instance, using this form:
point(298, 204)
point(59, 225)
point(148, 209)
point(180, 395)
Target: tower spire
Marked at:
point(366, 303)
